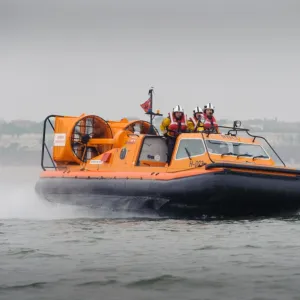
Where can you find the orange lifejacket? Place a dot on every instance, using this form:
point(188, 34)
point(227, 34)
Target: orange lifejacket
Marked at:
point(177, 125)
point(210, 123)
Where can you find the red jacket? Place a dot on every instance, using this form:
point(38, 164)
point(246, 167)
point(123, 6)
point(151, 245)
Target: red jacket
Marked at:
point(210, 123)
point(175, 124)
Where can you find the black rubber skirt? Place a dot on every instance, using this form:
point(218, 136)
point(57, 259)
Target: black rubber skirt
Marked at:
point(223, 193)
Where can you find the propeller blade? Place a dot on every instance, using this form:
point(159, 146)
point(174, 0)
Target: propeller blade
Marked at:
point(83, 154)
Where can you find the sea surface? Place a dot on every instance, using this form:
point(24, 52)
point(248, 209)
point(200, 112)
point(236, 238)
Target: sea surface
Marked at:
point(59, 252)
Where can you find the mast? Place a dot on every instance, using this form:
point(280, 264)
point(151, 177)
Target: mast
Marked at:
point(150, 112)
point(151, 106)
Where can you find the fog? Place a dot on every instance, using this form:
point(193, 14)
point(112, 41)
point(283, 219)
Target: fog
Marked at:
point(101, 57)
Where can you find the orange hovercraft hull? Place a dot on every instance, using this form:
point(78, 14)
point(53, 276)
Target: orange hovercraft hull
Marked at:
point(131, 174)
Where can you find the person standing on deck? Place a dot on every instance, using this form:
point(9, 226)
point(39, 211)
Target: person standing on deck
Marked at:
point(195, 123)
point(172, 126)
point(210, 123)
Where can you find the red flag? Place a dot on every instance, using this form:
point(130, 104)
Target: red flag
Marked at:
point(146, 106)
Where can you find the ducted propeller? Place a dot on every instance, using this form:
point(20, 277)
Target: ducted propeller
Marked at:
point(85, 130)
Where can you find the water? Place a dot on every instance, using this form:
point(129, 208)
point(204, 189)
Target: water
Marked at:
point(61, 252)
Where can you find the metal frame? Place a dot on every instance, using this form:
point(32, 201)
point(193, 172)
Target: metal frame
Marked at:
point(236, 130)
point(44, 146)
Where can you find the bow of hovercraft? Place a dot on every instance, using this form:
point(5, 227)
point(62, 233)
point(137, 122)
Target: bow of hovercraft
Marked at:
point(236, 190)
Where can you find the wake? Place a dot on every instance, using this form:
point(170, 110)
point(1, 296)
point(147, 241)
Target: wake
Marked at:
point(19, 201)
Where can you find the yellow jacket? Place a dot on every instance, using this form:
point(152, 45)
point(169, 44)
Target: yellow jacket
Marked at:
point(164, 125)
point(191, 126)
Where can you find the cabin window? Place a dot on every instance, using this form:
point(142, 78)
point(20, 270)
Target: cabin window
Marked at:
point(234, 149)
point(192, 147)
point(154, 149)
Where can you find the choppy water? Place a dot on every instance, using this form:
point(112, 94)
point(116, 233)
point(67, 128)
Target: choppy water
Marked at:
point(60, 252)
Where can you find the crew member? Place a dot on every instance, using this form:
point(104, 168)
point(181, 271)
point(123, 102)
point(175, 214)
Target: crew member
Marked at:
point(195, 123)
point(210, 123)
point(172, 126)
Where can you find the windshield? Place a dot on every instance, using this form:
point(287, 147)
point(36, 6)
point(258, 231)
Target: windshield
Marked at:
point(236, 149)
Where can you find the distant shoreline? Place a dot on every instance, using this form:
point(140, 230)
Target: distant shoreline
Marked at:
point(27, 152)
point(21, 140)
point(20, 127)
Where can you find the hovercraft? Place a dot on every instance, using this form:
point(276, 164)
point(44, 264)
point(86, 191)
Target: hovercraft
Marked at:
point(94, 162)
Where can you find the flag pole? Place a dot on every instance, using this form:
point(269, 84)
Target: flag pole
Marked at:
point(151, 105)
point(150, 112)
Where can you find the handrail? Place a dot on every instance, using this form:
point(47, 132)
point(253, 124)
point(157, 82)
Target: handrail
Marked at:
point(44, 145)
point(254, 137)
point(205, 145)
point(236, 130)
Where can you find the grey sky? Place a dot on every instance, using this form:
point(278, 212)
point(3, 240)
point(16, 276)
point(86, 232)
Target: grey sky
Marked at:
point(101, 57)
